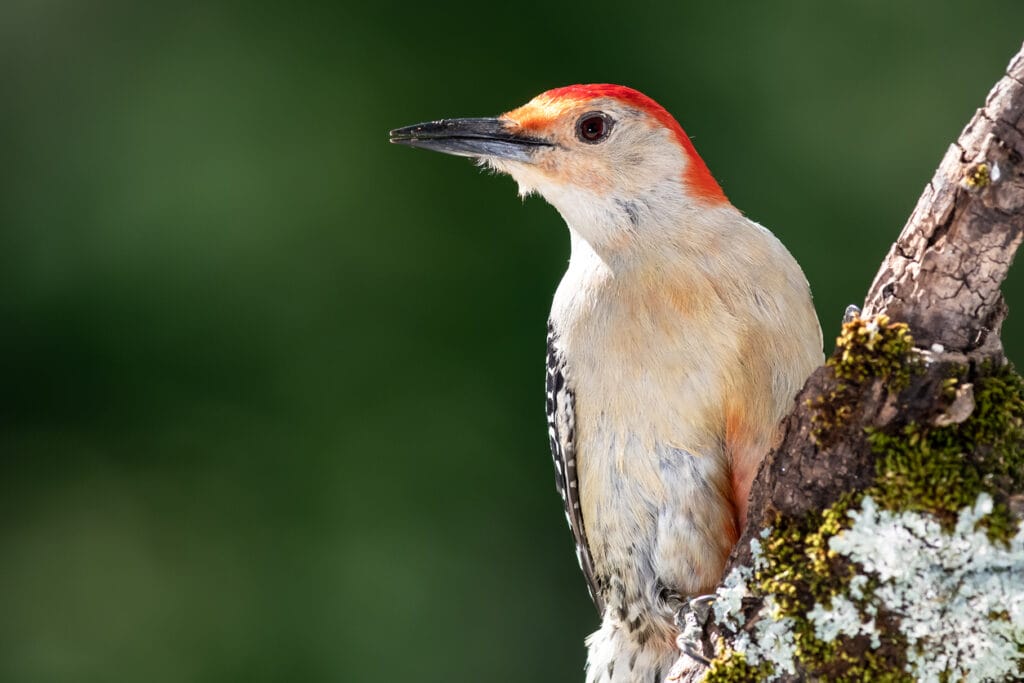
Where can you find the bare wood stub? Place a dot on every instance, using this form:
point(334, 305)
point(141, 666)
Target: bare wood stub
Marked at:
point(942, 275)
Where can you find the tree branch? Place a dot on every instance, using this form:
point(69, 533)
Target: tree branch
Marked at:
point(941, 278)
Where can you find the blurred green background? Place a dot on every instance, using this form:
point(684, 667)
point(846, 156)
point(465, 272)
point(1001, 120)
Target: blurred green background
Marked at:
point(271, 402)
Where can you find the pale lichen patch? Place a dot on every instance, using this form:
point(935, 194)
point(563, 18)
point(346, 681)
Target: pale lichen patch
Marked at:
point(728, 605)
point(954, 597)
point(958, 595)
point(842, 618)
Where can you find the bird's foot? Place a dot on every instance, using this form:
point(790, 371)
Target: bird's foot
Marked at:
point(692, 649)
point(691, 618)
point(852, 313)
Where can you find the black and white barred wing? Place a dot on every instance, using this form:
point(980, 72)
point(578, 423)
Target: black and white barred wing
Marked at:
point(562, 435)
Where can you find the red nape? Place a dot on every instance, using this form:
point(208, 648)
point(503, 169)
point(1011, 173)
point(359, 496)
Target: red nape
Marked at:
point(697, 177)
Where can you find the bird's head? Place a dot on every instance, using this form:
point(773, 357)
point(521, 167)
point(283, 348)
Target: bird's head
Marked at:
point(609, 158)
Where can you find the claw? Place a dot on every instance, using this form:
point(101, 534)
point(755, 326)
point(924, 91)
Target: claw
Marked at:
point(702, 601)
point(701, 606)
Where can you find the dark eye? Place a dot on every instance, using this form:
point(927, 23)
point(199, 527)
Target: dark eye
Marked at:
point(593, 127)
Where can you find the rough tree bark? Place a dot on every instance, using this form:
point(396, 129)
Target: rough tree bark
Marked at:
point(941, 278)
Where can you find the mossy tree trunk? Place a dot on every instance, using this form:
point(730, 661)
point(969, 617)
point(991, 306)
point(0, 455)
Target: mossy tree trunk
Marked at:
point(917, 411)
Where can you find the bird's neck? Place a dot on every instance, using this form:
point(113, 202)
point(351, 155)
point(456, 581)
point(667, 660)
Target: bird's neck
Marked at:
point(655, 231)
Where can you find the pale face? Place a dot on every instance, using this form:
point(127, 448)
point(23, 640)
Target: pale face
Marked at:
point(607, 157)
point(599, 147)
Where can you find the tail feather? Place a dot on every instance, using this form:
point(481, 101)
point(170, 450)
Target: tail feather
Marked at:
point(615, 655)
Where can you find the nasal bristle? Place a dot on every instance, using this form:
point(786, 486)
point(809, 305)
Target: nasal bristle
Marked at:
point(697, 177)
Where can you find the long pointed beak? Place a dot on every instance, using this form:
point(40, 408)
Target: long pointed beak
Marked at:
point(470, 138)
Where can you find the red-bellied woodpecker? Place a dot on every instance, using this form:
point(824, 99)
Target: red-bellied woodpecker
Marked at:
point(677, 340)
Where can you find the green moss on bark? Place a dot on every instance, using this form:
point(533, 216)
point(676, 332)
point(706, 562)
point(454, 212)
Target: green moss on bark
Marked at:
point(866, 351)
point(942, 469)
point(732, 667)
